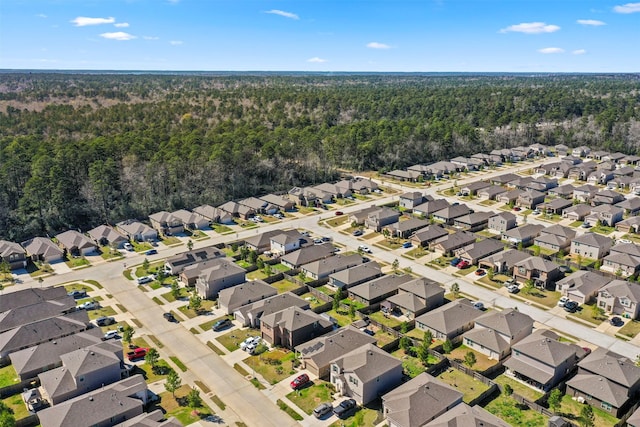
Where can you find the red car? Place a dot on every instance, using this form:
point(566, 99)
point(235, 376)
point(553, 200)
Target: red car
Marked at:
point(338, 213)
point(299, 381)
point(462, 264)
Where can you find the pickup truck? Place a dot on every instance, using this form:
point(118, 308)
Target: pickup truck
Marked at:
point(137, 353)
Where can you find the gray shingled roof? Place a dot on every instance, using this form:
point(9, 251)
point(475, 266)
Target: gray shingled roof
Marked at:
point(508, 322)
point(368, 362)
point(106, 232)
point(543, 345)
point(488, 338)
point(245, 293)
point(323, 350)
point(593, 239)
point(450, 317)
point(600, 387)
point(463, 415)
point(329, 265)
point(72, 239)
point(294, 318)
point(273, 304)
point(28, 314)
point(537, 263)
point(612, 366)
point(308, 254)
point(430, 233)
point(358, 274)
point(380, 286)
point(29, 296)
point(524, 232)
point(42, 246)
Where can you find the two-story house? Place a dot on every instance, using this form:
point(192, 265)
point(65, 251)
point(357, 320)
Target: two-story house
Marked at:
point(581, 286)
point(495, 332)
point(285, 242)
point(525, 234)
point(623, 259)
point(166, 223)
point(542, 272)
point(414, 298)
point(502, 222)
point(607, 215)
point(555, 238)
point(381, 217)
point(293, 326)
point(231, 299)
point(13, 254)
point(620, 297)
point(530, 199)
point(591, 245)
point(355, 275)
point(219, 275)
point(607, 197)
point(379, 289)
point(585, 193)
point(411, 199)
point(449, 321)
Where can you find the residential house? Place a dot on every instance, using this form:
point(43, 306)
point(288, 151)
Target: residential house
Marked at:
point(585, 193)
point(401, 175)
point(427, 209)
point(544, 273)
point(495, 332)
point(542, 184)
point(525, 234)
point(503, 179)
point(76, 243)
point(322, 268)
point(630, 160)
point(420, 401)
point(213, 214)
point(556, 206)
point(17, 316)
point(282, 204)
point(577, 212)
point(449, 321)
point(359, 217)
point(135, 230)
point(317, 354)
point(30, 296)
point(105, 235)
point(503, 262)
point(571, 160)
point(623, 259)
point(404, 229)
point(542, 360)
point(166, 223)
point(293, 326)
point(250, 314)
point(377, 290)
point(378, 219)
point(424, 236)
point(597, 155)
point(365, 373)
point(411, 199)
point(13, 254)
point(555, 238)
point(606, 380)
point(631, 206)
point(414, 298)
point(581, 151)
point(473, 222)
point(175, 264)
point(357, 185)
point(105, 407)
point(221, 274)
point(82, 371)
point(492, 192)
point(191, 220)
point(262, 242)
point(237, 210)
point(530, 199)
point(151, 419)
point(634, 419)
point(472, 188)
point(591, 245)
point(465, 415)
point(450, 213)
point(561, 149)
point(285, 242)
point(231, 299)
point(629, 225)
point(424, 170)
point(622, 182)
point(600, 176)
point(582, 171)
point(502, 222)
point(564, 191)
point(607, 197)
point(309, 196)
point(41, 249)
point(509, 197)
point(448, 244)
point(581, 286)
point(614, 157)
point(257, 205)
point(355, 275)
point(521, 183)
point(621, 298)
point(307, 254)
point(35, 333)
point(478, 250)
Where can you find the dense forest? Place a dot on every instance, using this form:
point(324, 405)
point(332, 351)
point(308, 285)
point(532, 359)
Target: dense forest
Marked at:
point(77, 150)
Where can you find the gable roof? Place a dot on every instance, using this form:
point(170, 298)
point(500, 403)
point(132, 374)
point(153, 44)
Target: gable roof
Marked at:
point(623, 289)
point(453, 211)
point(450, 317)
point(593, 239)
point(507, 322)
point(510, 257)
point(180, 261)
point(380, 286)
point(73, 239)
point(463, 415)
point(245, 293)
point(42, 246)
point(264, 239)
point(580, 209)
point(626, 248)
point(431, 206)
point(368, 362)
point(483, 248)
point(455, 240)
point(19, 316)
point(29, 296)
point(429, 233)
point(600, 388)
point(323, 350)
point(583, 281)
point(106, 232)
point(326, 266)
point(294, 318)
point(308, 254)
point(559, 230)
point(543, 345)
point(523, 232)
point(357, 274)
point(272, 305)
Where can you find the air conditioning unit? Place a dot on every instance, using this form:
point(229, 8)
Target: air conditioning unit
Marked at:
point(580, 399)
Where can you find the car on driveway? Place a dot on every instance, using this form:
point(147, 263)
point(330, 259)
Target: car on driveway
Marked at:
point(77, 293)
point(89, 305)
point(462, 264)
point(105, 321)
point(407, 245)
point(562, 301)
point(585, 225)
point(110, 335)
point(480, 272)
point(344, 408)
point(322, 409)
point(128, 246)
point(249, 341)
point(455, 261)
point(616, 321)
point(221, 324)
point(144, 279)
point(571, 306)
point(517, 209)
point(513, 288)
point(357, 233)
point(299, 381)
point(364, 249)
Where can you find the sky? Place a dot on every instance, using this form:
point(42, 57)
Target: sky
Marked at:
point(322, 35)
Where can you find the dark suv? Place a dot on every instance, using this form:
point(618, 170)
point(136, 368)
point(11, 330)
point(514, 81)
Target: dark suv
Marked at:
point(344, 408)
point(221, 324)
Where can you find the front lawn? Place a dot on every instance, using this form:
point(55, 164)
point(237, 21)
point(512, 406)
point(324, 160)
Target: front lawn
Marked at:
point(362, 417)
point(544, 297)
point(178, 407)
point(308, 398)
point(152, 375)
point(273, 366)
point(75, 262)
point(630, 329)
point(107, 253)
point(221, 229)
point(519, 388)
point(232, 339)
point(417, 252)
point(603, 229)
point(171, 241)
point(441, 262)
point(337, 221)
point(585, 312)
point(153, 268)
point(488, 202)
point(490, 283)
point(389, 244)
point(209, 323)
point(102, 311)
point(207, 306)
point(506, 408)
point(470, 387)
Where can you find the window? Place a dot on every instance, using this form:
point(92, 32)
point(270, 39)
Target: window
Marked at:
point(606, 406)
point(353, 380)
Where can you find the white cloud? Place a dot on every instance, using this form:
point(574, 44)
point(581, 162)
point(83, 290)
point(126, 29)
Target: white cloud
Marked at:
point(118, 35)
point(175, 42)
point(628, 8)
point(283, 13)
point(531, 28)
point(41, 15)
point(591, 22)
point(83, 21)
point(316, 60)
point(376, 45)
point(150, 37)
point(551, 50)
point(121, 25)
point(579, 52)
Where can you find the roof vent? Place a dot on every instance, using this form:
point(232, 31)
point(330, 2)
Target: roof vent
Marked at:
point(90, 398)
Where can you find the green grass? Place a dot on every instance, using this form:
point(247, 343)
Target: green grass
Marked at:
point(389, 321)
point(465, 384)
point(207, 306)
point(573, 408)
point(121, 308)
point(412, 366)
point(171, 241)
point(482, 362)
point(389, 244)
point(241, 370)
point(601, 229)
point(219, 403)
point(8, 376)
point(585, 313)
point(209, 323)
point(177, 407)
point(16, 403)
point(151, 375)
point(576, 224)
point(273, 372)
point(631, 329)
point(110, 254)
point(178, 363)
point(337, 221)
point(127, 274)
point(284, 286)
point(156, 341)
point(312, 300)
point(309, 398)
point(519, 388)
point(232, 339)
point(362, 417)
point(257, 275)
point(341, 316)
point(215, 348)
point(542, 296)
point(221, 229)
point(169, 296)
point(102, 311)
point(293, 414)
point(157, 301)
point(417, 252)
point(509, 410)
point(77, 262)
point(141, 246)
point(487, 202)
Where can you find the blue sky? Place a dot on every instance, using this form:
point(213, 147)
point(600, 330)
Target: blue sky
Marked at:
point(322, 35)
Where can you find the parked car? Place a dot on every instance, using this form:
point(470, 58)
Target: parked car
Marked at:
point(624, 241)
point(407, 245)
point(299, 381)
point(251, 340)
point(364, 249)
point(317, 241)
point(170, 317)
point(565, 269)
point(616, 321)
point(513, 288)
point(571, 306)
point(478, 305)
point(536, 212)
point(77, 293)
point(344, 407)
point(110, 335)
point(462, 264)
point(89, 305)
point(455, 261)
point(221, 324)
point(338, 213)
point(144, 279)
point(562, 301)
point(137, 353)
point(322, 409)
point(357, 233)
point(517, 209)
point(586, 225)
point(151, 252)
point(251, 348)
point(480, 272)
point(105, 321)
point(326, 239)
point(128, 246)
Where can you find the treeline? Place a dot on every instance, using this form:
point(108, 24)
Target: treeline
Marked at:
point(78, 150)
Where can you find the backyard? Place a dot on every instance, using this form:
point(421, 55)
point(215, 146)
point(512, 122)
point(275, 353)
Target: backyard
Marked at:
point(411, 365)
point(519, 388)
point(482, 362)
point(470, 387)
point(273, 366)
point(8, 376)
point(506, 408)
point(570, 409)
point(285, 286)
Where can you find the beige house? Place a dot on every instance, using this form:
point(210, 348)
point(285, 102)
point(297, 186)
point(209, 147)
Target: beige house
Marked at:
point(620, 297)
point(495, 332)
point(591, 245)
point(449, 321)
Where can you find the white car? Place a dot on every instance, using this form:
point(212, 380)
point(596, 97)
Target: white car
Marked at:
point(478, 305)
point(251, 347)
point(144, 279)
point(562, 301)
point(128, 246)
point(89, 305)
point(109, 335)
point(364, 249)
point(249, 341)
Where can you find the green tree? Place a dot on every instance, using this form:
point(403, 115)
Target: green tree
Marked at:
point(7, 418)
point(386, 233)
point(190, 245)
point(145, 265)
point(175, 290)
point(405, 343)
point(455, 290)
point(490, 273)
point(447, 346)
point(528, 286)
point(554, 400)
point(427, 338)
point(194, 399)
point(470, 359)
point(638, 360)
point(253, 256)
point(587, 419)
point(234, 247)
point(302, 275)
point(395, 265)
point(127, 334)
point(152, 358)
point(195, 301)
point(404, 327)
point(507, 390)
point(423, 352)
point(336, 301)
point(244, 253)
point(173, 382)
point(260, 263)
point(268, 270)
point(352, 311)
